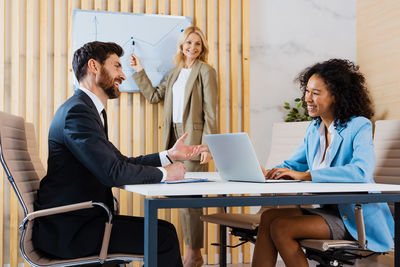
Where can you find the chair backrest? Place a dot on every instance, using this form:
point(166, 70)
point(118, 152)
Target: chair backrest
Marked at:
point(16, 160)
point(286, 137)
point(387, 151)
point(33, 149)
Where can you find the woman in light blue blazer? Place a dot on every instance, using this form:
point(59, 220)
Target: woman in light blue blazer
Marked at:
point(338, 147)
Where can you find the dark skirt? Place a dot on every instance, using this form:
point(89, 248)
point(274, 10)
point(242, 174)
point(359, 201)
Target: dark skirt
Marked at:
point(331, 215)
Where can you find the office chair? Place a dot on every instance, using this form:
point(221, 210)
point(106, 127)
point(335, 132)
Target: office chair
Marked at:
point(286, 137)
point(21, 163)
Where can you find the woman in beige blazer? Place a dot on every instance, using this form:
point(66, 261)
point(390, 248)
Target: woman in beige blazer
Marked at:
point(190, 102)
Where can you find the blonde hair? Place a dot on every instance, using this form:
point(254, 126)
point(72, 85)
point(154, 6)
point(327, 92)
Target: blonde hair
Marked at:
point(180, 57)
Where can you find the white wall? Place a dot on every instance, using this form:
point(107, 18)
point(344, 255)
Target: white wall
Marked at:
point(287, 36)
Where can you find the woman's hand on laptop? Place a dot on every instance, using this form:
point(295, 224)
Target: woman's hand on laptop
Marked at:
point(264, 171)
point(287, 174)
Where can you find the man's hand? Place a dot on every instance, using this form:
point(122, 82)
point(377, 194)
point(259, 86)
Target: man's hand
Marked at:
point(288, 174)
point(175, 171)
point(181, 151)
point(205, 157)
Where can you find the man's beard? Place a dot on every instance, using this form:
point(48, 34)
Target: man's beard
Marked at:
point(106, 82)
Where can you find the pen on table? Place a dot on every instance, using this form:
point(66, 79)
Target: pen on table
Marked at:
point(169, 159)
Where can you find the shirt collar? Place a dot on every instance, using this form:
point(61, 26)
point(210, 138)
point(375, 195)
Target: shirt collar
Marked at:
point(331, 129)
point(97, 102)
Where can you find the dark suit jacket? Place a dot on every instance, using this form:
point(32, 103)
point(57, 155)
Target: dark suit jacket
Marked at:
point(83, 165)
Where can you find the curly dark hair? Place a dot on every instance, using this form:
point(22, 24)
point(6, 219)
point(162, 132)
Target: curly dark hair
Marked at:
point(99, 51)
point(346, 83)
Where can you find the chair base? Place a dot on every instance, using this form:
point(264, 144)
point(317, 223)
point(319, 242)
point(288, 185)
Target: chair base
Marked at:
point(336, 257)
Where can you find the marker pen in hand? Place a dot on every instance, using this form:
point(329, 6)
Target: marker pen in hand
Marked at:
point(132, 46)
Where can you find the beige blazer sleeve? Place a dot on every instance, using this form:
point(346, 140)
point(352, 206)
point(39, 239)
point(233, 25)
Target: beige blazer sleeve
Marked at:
point(210, 94)
point(152, 94)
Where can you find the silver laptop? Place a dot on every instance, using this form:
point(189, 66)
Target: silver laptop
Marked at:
point(236, 159)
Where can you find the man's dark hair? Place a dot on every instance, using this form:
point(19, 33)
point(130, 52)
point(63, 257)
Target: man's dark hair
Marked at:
point(98, 51)
point(346, 83)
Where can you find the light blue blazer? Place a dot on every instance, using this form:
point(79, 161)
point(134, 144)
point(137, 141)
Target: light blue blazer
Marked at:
point(352, 160)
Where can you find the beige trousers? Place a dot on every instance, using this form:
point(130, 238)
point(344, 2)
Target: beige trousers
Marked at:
point(192, 226)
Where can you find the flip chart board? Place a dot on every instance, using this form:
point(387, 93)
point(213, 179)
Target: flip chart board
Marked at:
point(153, 38)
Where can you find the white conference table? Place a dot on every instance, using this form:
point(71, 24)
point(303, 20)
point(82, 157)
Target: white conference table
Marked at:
point(304, 193)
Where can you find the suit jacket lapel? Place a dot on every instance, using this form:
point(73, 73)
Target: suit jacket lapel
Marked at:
point(190, 82)
point(79, 93)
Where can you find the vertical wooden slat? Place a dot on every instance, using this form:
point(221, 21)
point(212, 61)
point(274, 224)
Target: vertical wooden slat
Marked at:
point(2, 102)
point(222, 65)
point(149, 108)
point(174, 7)
point(246, 66)
point(211, 229)
point(234, 113)
point(123, 133)
point(162, 213)
point(246, 92)
point(186, 8)
point(15, 109)
point(113, 108)
point(98, 4)
point(58, 86)
point(234, 42)
point(30, 72)
point(86, 4)
point(138, 200)
point(174, 214)
point(198, 14)
point(72, 4)
point(43, 79)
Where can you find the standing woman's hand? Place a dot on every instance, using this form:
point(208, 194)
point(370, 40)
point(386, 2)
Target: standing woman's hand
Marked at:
point(136, 64)
point(205, 157)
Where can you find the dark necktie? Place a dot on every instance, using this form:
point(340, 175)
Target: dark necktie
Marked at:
point(105, 122)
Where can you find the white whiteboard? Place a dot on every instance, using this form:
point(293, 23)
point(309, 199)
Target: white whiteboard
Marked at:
point(155, 38)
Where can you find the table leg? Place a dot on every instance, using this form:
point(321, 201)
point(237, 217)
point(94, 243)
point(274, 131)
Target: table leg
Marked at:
point(222, 248)
point(397, 234)
point(150, 234)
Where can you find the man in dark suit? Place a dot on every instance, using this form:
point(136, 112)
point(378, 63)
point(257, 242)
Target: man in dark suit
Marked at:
point(83, 165)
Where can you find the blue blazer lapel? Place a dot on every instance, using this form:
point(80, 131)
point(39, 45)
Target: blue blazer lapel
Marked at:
point(337, 141)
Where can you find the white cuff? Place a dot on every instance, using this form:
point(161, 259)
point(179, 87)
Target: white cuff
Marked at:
point(164, 172)
point(163, 158)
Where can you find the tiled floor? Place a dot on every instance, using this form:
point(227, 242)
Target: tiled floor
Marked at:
point(363, 263)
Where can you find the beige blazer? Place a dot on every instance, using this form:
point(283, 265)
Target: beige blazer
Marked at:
point(200, 101)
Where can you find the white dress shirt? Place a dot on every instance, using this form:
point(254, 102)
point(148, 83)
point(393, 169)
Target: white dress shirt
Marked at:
point(318, 163)
point(99, 106)
point(178, 94)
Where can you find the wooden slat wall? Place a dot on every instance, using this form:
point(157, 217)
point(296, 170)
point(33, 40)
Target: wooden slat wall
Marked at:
point(36, 77)
point(378, 54)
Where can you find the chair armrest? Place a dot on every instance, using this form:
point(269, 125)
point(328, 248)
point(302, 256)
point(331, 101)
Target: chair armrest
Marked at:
point(116, 205)
point(57, 210)
point(360, 226)
point(72, 207)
